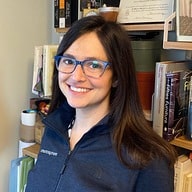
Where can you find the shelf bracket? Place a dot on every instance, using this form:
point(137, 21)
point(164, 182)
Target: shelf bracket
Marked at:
point(173, 45)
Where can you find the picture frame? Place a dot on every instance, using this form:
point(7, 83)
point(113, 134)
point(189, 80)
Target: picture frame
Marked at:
point(184, 20)
point(145, 11)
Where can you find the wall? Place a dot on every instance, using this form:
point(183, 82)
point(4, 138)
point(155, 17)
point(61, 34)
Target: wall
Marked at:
point(24, 24)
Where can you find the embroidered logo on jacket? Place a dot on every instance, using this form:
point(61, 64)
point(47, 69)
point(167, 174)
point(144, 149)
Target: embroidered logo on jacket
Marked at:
point(51, 153)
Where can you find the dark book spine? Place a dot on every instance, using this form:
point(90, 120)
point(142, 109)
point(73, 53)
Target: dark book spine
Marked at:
point(56, 13)
point(74, 10)
point(61, 13)
point(172, 81)
point(189, 120)
point(189, 123)
point(68, 13)
point(183, 104)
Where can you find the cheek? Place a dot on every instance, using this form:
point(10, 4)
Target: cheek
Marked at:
point(61, 79)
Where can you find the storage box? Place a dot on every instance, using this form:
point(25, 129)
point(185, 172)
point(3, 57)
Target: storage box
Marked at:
point(145, 81)
point(146, 53)
point(39, 129)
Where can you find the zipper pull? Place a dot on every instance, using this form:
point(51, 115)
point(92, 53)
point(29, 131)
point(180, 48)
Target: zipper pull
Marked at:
point(65, 163)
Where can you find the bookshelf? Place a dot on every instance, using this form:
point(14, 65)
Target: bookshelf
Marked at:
point(32, 151)
point(182, 142)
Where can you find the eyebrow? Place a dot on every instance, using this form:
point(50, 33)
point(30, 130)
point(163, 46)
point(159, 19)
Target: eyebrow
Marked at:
point(87, 58)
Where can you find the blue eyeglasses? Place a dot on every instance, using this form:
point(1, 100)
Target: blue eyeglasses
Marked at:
point(91, 67)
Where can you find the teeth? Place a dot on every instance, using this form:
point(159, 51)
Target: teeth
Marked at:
point(82, 90)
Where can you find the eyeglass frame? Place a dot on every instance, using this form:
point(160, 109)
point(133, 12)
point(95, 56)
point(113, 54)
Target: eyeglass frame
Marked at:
point(76, 62)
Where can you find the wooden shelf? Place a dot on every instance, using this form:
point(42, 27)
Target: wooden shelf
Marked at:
point(182, 142)
point(147, 27)
point(171, 44)
point(61, 30)
point(177, 45)
point(135, 27)
point(32, 151)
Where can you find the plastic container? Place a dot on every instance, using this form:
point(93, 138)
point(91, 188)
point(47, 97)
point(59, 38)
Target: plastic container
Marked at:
point(146, 53)
point(109, 13)
point(145, 81)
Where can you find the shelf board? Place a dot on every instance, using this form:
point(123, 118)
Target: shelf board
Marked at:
point(177, 45)
point(32, 151)
point(173, 44)
point(147, 27)
point(182, 142)
point(134, 27)
point(61, 30)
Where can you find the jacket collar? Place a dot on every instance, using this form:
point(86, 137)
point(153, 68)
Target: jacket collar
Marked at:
point(60, 119)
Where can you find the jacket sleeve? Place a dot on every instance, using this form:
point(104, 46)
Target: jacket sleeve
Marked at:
point(158, 176)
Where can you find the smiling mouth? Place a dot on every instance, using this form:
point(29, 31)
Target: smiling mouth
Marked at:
point(80, 90)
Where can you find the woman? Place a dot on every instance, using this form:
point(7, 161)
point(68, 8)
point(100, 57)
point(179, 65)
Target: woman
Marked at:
point(96, 136)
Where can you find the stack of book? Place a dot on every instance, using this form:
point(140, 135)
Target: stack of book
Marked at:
point(172, 98)
point(19, 170)
point(66, 12)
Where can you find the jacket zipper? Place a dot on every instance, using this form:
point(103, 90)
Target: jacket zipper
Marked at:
point(65, 163)
point(63, 170)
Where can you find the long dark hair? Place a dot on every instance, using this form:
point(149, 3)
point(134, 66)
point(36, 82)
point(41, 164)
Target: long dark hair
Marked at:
point(131, 130)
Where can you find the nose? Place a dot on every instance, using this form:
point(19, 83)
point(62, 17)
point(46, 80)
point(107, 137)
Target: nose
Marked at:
point(78, 74)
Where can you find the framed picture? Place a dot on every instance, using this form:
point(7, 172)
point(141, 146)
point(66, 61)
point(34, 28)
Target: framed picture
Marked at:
point(145, 11)
point(184, 20)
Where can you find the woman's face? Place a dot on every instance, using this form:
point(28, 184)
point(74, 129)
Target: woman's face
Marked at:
point(80, 90)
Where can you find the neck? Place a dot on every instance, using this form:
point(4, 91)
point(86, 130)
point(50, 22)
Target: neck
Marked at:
point(86, 119)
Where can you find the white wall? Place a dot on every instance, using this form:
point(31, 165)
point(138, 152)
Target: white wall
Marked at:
point(23, 24)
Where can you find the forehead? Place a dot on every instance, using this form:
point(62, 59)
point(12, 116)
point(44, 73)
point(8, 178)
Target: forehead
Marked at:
point(87, 45)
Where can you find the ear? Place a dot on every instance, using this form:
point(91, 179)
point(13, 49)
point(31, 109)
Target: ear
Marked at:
point(115, 83)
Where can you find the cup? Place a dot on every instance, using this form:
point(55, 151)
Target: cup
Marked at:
point(28, 117)
point(109, 13)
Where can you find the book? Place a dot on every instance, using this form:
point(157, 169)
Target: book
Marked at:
point(187, 182)
point(189, 123)
point(56, 13)
point(27, 164)
point(49, 51)
point(176, 104)
point(182, 166)
point(159, 89)
point(61, 13)
point(68, 21)
point(37, 86)
point(172, 81)
point(74, 10)
point(19, 170)
point(14, 178)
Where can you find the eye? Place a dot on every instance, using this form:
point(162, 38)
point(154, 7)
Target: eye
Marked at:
point(67, 61)
point(95, 65)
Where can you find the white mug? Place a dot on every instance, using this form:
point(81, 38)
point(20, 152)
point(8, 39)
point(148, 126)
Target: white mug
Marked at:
point(28, 117)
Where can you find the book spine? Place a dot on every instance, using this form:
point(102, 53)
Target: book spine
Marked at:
point(37, 88)
point(74, 10)
point(189, 120)
point(182, 104)
point(49, 51)
point(159, 95)
point(68, 13)
point(56, 13)
point(172, 81)
point(62, 14)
